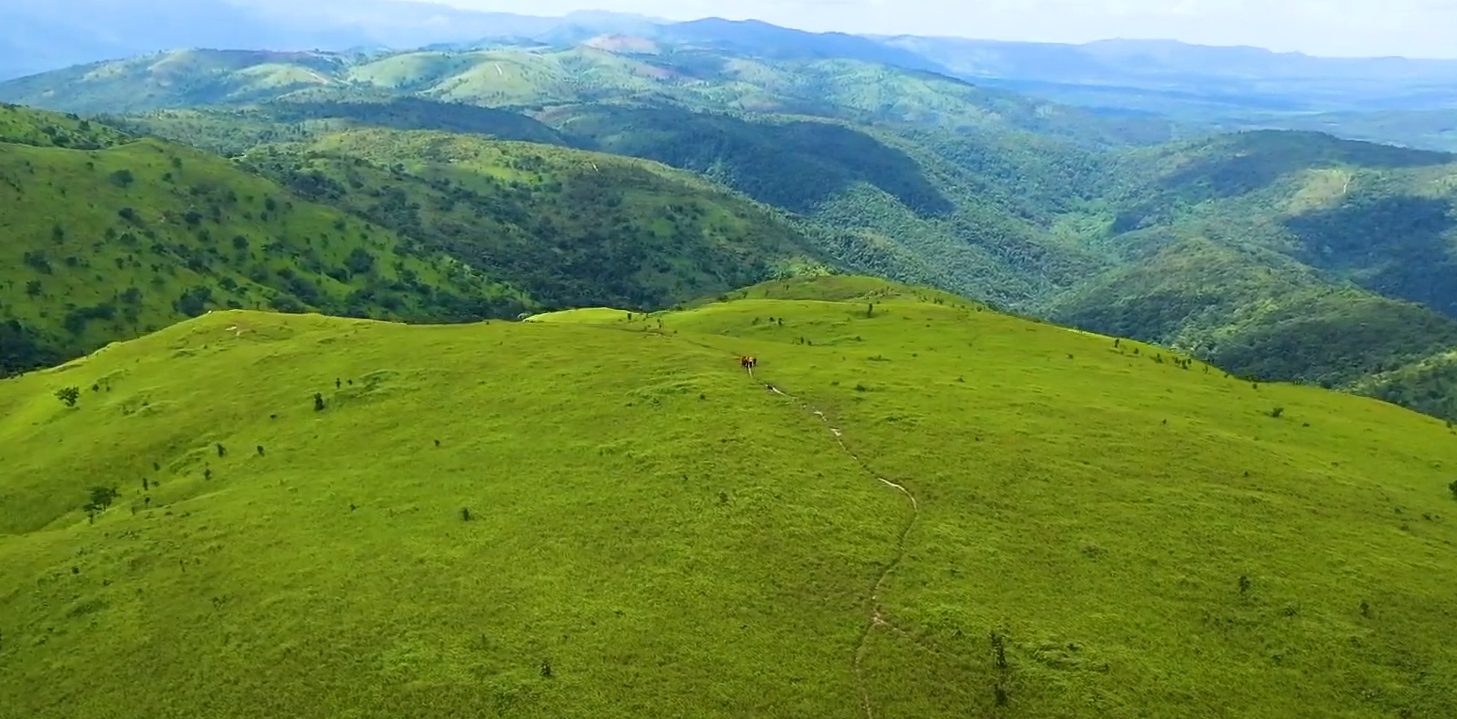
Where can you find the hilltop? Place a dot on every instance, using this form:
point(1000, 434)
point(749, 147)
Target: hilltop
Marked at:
point(939, 510)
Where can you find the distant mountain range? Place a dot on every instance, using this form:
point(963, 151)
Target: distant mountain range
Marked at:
point(1390, 100)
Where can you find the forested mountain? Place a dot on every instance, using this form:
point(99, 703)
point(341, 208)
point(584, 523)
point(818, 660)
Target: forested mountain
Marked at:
point(536, 78)
point(571, 228)
point(1396, 100)
point(42, 35)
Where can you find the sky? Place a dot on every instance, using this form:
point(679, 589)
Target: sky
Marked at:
point(1342, 28)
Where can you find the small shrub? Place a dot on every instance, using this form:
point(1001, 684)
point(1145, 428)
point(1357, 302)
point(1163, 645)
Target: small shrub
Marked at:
point(464, 514)
point(260, 450)
point(1278, 412)
point(222, 451)
point(546, 670)
point(1453, 487)
point(319, 402)
point(1245, 584)
point(69, 395)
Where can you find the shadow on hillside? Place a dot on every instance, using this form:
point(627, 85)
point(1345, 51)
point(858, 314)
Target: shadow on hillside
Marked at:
point(1398, 246)
point(794, 165)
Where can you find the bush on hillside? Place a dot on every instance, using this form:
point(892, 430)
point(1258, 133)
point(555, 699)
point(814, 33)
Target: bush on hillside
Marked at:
point(1453, 487)
point(69, 395)
point(101, 498)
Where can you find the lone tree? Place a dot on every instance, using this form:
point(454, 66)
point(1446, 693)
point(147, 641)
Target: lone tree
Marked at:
point(318, 402)
point(1453, 487)
point(101, 498)
point(69, 395)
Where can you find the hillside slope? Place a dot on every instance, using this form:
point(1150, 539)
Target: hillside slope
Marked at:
point(104, 244)
point(572, 228)
point(1279, 255)
point(938, 511)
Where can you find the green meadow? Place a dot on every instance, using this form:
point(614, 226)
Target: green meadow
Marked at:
point(914, 507)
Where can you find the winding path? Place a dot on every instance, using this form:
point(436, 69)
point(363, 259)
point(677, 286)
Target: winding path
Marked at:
point(877, 616)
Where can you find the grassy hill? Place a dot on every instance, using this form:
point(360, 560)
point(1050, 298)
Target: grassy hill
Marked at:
point(914, 176)
point(103, 244)
point(940, 511)
point(572, 228)
point(1238, 248)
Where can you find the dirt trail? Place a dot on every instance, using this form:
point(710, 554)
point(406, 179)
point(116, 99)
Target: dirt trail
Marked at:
point(877, 617)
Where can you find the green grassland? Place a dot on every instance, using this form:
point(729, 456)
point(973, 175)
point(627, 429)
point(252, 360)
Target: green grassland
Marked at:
point(110, 243)
point(602, 515)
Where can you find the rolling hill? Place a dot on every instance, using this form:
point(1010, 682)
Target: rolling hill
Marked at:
point(1237, 248)
point(125, 238)
point(531, 78)
point(1284, 225)
point(107, 243)
point(572, 228)
point(935, 510)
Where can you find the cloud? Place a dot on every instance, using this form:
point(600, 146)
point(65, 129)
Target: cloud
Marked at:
point(1327, 27)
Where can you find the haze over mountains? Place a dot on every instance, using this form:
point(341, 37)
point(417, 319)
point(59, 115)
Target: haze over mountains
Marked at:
point(1388, 99)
